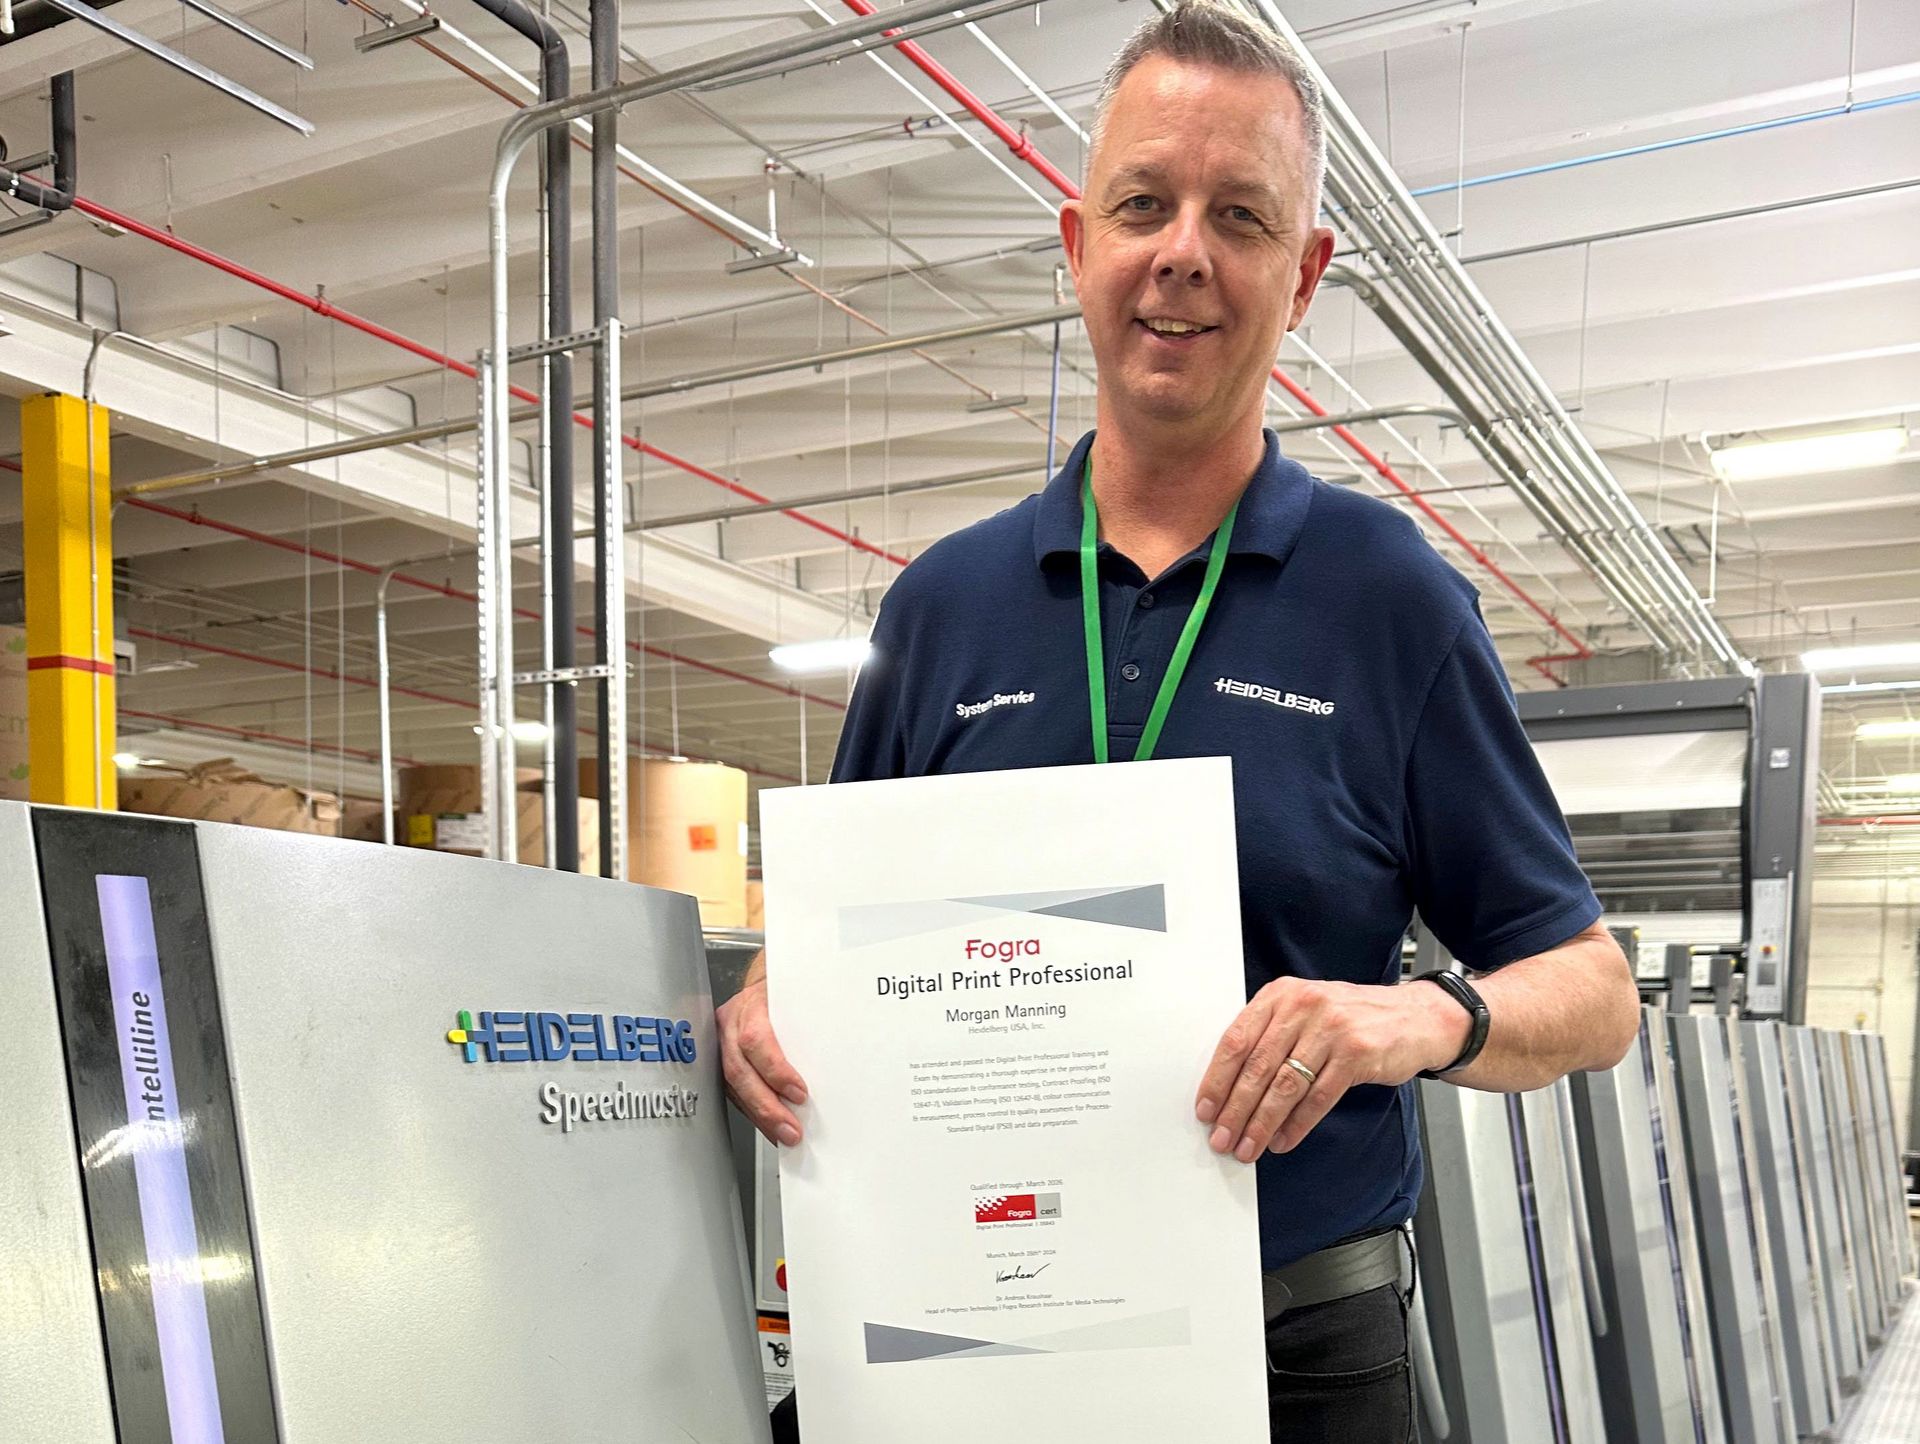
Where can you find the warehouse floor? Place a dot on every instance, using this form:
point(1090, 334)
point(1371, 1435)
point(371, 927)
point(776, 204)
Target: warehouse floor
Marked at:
point(1887, 1411)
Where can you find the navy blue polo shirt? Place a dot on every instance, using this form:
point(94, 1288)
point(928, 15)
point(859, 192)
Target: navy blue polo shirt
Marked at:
point(1379, 767)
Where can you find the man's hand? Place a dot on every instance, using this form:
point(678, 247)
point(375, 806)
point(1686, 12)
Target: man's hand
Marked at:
point(1346, 1033)
point(758, 1074)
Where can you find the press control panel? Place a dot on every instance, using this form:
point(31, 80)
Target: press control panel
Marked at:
point(1767, 958)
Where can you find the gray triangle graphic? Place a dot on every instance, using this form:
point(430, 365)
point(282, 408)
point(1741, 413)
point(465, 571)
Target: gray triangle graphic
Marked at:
point(994, 1351)
point(889, 1345)
point(1138, 907)
point(1033, 902)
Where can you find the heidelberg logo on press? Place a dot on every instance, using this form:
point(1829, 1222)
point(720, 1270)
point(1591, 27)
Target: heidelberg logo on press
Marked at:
point(584, 1037)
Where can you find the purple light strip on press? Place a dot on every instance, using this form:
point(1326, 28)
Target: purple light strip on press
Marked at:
point(159, 1161)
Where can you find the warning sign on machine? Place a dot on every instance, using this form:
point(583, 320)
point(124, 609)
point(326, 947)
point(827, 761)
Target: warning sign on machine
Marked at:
point(776, 1357)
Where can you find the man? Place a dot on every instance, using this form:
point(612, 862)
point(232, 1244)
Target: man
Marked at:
point(1379, 767)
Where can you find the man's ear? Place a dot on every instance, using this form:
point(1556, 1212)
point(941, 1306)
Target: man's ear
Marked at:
point(1314, 260)
point(1073, 235)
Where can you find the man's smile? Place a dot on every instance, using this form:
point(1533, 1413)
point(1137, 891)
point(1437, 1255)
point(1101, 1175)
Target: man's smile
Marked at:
point(1168, 330)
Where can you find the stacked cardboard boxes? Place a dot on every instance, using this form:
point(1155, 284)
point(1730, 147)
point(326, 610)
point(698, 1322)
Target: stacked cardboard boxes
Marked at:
point(440, 809)
point(221, 791)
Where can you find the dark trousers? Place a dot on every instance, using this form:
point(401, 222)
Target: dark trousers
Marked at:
point(1337, 1373)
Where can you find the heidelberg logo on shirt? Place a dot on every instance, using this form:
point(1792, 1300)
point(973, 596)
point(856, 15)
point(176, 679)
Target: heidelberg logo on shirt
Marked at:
point(1311, 705)
point(966, 711)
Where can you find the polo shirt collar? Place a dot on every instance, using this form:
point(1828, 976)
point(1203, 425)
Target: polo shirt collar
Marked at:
point(1273, 508)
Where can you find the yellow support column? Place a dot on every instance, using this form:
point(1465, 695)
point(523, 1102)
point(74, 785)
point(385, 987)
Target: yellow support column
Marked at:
point(69, 586)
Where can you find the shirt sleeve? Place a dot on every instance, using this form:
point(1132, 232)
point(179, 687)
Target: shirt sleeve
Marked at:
point(1493, 867)
point(872, 737)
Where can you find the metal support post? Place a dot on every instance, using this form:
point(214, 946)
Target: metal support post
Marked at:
point(908, 21)
point(385, 665)
point(69, 602)
point(612, 543)
point(491, 443)
point(553, 568)
point(501, 740)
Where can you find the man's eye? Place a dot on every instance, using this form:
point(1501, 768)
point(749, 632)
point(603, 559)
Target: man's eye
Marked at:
point(1138, 203)
point(1241, 213)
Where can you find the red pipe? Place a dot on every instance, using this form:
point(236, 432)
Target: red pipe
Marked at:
point(368, 568)
point(333, 676)
point(1366, 453)
point(223, 730)
point(321, 306)
point(1910, 820)
point(284, 666)
point(1022, 146)
point(1024, 149)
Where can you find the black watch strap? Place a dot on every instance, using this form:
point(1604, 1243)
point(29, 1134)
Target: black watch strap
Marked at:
point(1463, 993)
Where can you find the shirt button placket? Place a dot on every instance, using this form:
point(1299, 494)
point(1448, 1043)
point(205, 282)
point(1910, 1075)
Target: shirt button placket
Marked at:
point(1131, 672)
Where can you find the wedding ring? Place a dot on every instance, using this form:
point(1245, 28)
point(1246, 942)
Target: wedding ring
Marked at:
point(1303, 1070)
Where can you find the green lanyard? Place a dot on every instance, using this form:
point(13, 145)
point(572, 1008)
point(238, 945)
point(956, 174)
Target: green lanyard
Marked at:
point(1096, 649)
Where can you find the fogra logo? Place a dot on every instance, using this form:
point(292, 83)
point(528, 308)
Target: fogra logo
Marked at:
point(584, 1037)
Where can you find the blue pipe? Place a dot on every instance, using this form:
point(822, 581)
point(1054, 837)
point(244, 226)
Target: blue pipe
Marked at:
point(1755, 127)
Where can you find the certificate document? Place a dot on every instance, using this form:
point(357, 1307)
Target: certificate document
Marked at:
point(1004, 1221)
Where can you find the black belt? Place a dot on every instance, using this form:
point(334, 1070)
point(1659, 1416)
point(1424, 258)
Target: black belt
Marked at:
point(1339, 1272)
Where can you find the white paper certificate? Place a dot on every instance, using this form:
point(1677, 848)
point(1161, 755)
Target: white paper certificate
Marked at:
point(1002, 989)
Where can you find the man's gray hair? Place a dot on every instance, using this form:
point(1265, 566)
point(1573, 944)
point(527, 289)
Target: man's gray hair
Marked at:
point(1212, 32)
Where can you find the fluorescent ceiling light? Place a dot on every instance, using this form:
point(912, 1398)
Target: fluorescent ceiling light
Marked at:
point(526, 729)
point(131, 761)
point(1857, 659)
point(1807, 455)
point(835, 655)
point(1898, 727)
point(1912, 684)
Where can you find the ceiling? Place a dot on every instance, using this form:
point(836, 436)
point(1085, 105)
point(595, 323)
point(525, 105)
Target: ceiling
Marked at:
point(1696, 220)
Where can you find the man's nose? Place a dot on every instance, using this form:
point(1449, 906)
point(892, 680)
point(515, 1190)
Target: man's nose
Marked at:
point(1183, 258)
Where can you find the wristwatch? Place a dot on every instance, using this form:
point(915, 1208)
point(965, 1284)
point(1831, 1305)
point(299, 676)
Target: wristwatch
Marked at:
point(1463, 993)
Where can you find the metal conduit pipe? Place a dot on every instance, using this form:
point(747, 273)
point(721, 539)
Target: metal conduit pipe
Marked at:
point(495, 629)
point(320, 306)
point(1452, 300)
point(371, 569)
point(66, 156)
point(412, 435)
point(561, 707)
point(1485, 437)
point(1385, 222)
point(1021, 146)
point(1001, 473)
point(494, 605)
point(1554, 460)
point(1024, 149)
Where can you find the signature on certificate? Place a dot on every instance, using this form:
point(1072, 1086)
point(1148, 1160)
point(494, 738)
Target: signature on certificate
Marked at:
point(1016, 1272)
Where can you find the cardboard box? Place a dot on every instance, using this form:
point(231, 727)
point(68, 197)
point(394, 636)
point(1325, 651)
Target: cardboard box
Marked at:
point(440, 808)
point(221, 791)
point(13, 714)
point(360, 820)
